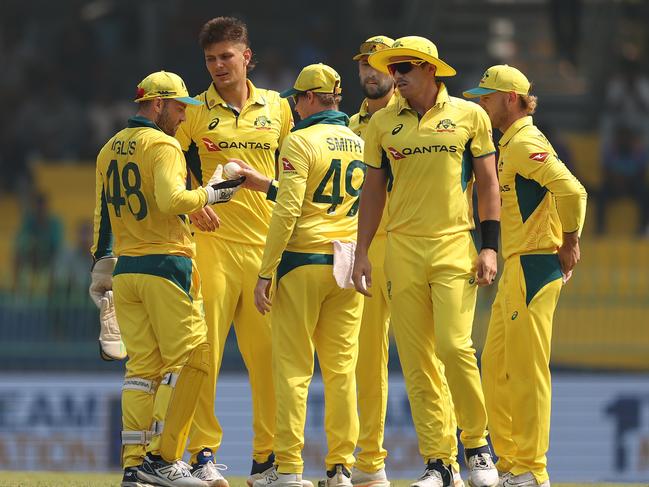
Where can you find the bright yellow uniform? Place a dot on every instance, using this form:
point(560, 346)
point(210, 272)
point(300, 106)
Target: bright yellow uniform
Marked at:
point(320, 180)
point(541, 199)
point(429, 258)
point(373, 341)
point(141, 202)
point(230, 257)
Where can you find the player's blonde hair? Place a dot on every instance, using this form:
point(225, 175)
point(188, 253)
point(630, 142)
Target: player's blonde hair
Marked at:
point(329, 99)
point(528, 102)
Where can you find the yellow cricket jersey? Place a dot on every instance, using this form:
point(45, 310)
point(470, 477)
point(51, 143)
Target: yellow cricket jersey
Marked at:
point(141, 198)
point(541, 199)
point(214, 132)
point(431, 161)
point(358, 124)
point(321, 175)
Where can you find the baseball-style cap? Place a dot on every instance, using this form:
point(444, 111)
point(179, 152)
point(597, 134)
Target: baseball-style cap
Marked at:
point(412, 46)
point(319, 78)
point(373, 44)
point(500, 78)
point(164, 84)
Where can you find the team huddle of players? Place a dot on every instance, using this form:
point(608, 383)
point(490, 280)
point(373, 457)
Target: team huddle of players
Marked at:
point(329, 232)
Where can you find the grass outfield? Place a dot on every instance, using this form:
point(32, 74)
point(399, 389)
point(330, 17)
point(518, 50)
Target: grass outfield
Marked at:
point(60, 479)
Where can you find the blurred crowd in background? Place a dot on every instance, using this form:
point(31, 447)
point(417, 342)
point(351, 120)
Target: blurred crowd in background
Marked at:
point(70, 71)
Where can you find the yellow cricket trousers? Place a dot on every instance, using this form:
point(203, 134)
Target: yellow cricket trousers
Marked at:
point(311, 313)
point(515, 363)
point(229, 274)
point(432, 294)
point(159, 310)
point(372, 367)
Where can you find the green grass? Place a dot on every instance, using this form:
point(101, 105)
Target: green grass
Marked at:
point(60, 479)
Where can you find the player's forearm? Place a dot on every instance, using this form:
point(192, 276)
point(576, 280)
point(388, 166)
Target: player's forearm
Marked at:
point(486, 181)
point(371, 206)
point(572, 211)
point(570, 196)
point(181, 201)
point(488, 199)
point(279, 233)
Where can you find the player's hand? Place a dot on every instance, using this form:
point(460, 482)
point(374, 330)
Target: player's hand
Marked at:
point(486, 267)
point(102, 279)
point(362, 273)
point(262, 295)
point(255, 180)
point(221, 190)
point(569, 253)
point(205, 219)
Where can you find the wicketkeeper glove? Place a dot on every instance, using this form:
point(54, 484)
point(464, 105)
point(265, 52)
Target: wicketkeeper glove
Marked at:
point(221, 190)
point(110, 339)
point(110, 342)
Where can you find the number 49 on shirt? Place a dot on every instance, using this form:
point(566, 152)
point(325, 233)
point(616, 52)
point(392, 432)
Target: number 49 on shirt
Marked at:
point(336, 197)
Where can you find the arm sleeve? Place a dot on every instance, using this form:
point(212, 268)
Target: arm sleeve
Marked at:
point(569, 193)
point(102, 242)
point(373, 153)
point(288, 206)
point(482, 143)
point(169, 178)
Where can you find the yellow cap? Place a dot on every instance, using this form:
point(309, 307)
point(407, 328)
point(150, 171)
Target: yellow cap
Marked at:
point(319, 78)
point(373, 44)
point(500, 78)
point(415, 47)
point(164, 85)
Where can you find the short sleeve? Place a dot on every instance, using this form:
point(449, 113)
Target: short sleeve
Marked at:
point(373, 150)
point(482, 143)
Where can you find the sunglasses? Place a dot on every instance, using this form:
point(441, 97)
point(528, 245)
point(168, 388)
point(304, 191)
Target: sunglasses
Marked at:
point(404, 66)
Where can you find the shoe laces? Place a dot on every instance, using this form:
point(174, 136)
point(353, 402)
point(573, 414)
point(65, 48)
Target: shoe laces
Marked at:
point(482, 461)
point(429, 472)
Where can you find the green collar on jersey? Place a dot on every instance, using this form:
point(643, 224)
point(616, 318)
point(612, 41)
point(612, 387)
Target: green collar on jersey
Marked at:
point(139, 121)
point(331, 117)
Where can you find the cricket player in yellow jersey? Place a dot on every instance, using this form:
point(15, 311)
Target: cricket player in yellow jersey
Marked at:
point(236, 121)
point(308, 253)
point(543, 211)
point(142, 202)
point(373, 340)
point(435, 146)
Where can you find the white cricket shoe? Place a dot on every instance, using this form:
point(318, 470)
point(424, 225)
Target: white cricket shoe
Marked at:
point(130, 478)
point(160, 472)
point(457, 479)
point(275, 479)
point(482, 471)
point(436, 475)
point(502, 476)
point(366, 479)
point(258, 476)
point(206, 470)
point(523, 480)
point(339, 476)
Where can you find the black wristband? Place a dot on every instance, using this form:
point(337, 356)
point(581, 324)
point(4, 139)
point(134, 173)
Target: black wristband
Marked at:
point(271, 194)
point(489, 230)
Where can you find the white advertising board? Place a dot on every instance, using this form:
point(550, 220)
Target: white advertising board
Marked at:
point(600, 426)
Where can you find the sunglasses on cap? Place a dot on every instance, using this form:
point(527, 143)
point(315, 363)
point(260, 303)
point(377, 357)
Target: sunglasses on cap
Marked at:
point(404, 67)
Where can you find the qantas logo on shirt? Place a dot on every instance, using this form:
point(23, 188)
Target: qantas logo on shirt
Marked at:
point(210, 146)
point(395, 153)
point(286, 165)
point(539, 156)
point(407, 151)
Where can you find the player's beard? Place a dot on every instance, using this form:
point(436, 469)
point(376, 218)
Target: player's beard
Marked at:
point(165, 121)
point(379, 90)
